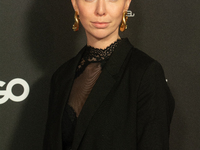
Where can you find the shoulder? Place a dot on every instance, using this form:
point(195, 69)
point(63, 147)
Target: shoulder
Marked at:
point(132, 57)
point(144, 69)
point(140, 60)
point(69, 67)
point(61, 70)
point(135, 60)
point(64, 66)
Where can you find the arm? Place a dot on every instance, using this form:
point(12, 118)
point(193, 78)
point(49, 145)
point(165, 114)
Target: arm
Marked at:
point(155, 107)
point(46, 140)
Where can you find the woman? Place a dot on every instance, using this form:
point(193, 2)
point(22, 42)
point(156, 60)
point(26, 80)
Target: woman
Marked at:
point(111, 95)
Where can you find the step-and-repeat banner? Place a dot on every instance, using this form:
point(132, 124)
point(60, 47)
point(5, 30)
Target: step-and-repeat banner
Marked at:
point(36, 38)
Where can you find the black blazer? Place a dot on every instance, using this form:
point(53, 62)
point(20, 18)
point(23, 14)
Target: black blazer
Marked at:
point(129, 108)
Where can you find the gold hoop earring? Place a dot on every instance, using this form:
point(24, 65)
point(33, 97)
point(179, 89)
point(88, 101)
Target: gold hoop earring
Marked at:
point(76, 23)
point(123, 25)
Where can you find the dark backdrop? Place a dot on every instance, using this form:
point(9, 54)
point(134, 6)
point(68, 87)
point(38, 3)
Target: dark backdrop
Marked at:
point(34, 35)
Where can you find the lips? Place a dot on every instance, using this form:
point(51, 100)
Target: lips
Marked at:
point(100, 25)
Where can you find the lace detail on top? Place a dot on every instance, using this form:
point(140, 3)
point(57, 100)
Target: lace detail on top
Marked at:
point(92, 55)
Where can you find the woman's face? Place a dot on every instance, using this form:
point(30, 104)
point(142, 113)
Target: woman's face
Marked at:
point(101, 18)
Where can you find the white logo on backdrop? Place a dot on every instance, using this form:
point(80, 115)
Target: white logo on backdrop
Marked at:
point(8, 94)
point(130, 13)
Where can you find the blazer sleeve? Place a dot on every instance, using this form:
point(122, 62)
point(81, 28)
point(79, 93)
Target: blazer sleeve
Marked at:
point(48, 136)
point(155, 107)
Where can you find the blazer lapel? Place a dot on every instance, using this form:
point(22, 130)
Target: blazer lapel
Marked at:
point(65, 82)
point(101, 89)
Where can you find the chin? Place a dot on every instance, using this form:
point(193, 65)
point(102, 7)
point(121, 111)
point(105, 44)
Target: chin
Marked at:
point(102, 34)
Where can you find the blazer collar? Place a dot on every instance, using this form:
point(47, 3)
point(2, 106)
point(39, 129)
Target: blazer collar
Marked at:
point(71, 66)
point(118, 57)
point(101, 89)
point(65, 77)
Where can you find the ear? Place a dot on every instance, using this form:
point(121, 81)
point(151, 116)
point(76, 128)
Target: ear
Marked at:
point(127, 4)
point(75, 6)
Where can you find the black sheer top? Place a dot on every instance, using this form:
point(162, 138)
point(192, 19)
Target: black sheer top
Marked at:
point(87, 73)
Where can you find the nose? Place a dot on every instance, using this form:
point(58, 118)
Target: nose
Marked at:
point(100, 8)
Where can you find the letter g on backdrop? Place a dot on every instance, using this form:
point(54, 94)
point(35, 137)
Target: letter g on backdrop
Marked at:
point(7, 94)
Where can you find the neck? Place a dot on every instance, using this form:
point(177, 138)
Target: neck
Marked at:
point(101, 43)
